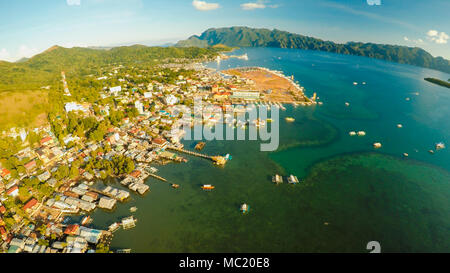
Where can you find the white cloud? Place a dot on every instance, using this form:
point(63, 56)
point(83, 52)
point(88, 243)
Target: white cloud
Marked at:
point(252, 6)
point(4, 55)
point(432, 33)
point(260, 4)
point(204, 6)
point(437, 37)
point(73, 2)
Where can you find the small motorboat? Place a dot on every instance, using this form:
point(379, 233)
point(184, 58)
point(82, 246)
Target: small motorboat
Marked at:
point(292, 179)
point(245, 208)
point(175, 186)
point(86, 220)
point(377, 145)
point(208, 187)
point(289, 119)
point(133, 209)
point(352, 133)
point(440, 146)
point(361, 133)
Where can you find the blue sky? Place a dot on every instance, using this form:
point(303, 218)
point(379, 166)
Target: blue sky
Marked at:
point(28, 27)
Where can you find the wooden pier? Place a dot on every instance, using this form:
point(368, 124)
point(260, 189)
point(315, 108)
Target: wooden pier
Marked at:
point(218, 160)
point(157, 177)
point(189, 152)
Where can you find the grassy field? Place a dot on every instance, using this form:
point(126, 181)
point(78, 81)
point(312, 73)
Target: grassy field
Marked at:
point(23, 108)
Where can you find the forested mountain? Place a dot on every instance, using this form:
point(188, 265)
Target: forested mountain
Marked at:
point(250, 37)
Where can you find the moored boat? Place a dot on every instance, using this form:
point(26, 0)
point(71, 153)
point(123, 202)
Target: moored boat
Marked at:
point(208, 187)
point(289, 119)
point(292, 179)
point(245, 208)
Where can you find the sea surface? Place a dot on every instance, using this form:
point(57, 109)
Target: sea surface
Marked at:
point(350, 193)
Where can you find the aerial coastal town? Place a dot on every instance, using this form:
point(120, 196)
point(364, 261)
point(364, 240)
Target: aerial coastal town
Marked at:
point(135, 126)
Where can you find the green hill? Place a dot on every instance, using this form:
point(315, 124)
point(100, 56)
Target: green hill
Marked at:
point(44, 68)
point(250, 37)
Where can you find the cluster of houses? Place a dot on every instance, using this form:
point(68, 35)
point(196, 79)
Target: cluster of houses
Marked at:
point(144, 140)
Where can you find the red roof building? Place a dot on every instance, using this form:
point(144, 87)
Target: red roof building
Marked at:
point(30, 204)
point(13, 191)
point(136, 174)
point(71, 229)
point(3, 232)
point(46, 140)
point(5, 172)
point(30, 165)
point(2, 209)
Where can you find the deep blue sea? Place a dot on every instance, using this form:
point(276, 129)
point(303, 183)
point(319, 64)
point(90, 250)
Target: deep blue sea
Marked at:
point(350, 193)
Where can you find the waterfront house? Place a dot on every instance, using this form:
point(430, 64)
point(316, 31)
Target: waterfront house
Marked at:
point(72, 230)
point(106, 203)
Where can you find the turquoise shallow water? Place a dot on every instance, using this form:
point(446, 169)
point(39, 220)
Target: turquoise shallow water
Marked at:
point(351, 194)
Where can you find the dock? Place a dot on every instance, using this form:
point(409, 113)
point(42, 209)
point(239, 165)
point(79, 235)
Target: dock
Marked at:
point(157, 177)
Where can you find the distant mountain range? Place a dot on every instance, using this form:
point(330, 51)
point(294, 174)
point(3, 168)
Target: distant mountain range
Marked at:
point(251, 37)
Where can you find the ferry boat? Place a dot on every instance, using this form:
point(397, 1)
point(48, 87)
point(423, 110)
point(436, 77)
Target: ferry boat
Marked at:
point(133, 209)
point(245, 208)
point(208, 187)
point(289, 119)
point(114, 227)
point(292, 179)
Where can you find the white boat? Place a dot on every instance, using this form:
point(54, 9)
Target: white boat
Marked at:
point(352, 133)
point(377, 145)
point(292, 179)
point(133, 209)
point(361, 133)
point(440, 146)
point(245, 208)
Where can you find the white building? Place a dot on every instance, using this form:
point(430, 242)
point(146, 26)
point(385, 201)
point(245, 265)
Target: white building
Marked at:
point(139, 106)
point(171, 100)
